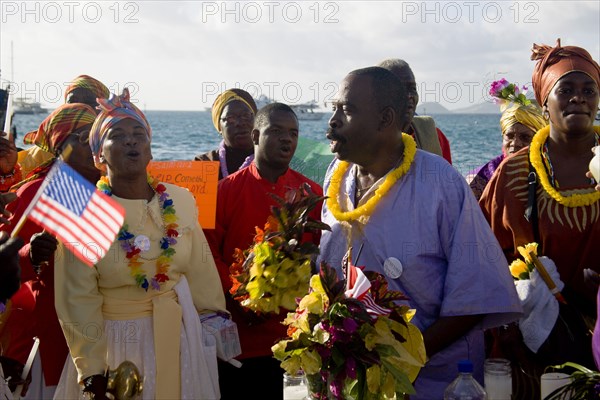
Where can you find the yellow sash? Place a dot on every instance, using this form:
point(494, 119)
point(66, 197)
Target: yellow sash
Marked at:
point(166, 315)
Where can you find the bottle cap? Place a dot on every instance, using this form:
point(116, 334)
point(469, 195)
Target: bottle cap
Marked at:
point(465, 366)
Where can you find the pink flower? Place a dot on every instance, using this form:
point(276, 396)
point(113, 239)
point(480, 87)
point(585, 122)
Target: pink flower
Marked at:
point(497, 86)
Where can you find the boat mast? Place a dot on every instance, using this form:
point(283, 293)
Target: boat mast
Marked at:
point(12, 63)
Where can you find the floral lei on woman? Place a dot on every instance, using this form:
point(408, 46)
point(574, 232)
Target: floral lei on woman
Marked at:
point(535, 153)
point(133, 248)
point(364, 211)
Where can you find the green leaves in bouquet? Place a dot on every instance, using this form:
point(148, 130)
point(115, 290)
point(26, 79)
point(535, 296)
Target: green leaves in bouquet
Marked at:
point(385, 297)
point(293, 215)
point(584, 385)
point(334, 287)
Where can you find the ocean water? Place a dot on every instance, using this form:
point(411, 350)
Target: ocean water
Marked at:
point(180, 135)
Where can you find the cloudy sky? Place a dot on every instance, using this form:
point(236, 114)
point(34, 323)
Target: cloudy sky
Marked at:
point(178, 55)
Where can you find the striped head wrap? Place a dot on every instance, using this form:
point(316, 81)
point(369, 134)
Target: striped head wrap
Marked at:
point(530, 116)
point(112, 111)
point(53, 132)
point(555, 62)
point(227, 97)
point(89, 83)
point(55, 129)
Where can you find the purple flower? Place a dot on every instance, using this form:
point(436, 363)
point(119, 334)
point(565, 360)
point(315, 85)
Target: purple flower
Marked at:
point(335, 387)
point(127, 247)
point(497, 86)
point(155, 284)
point(351, 368)
point(350, 325)
point(324, 352)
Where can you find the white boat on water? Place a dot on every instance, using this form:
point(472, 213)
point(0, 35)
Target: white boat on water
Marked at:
point(25, 106)
point(306, 111)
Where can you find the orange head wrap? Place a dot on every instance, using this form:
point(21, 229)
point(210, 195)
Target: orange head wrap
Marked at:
point(555, 62)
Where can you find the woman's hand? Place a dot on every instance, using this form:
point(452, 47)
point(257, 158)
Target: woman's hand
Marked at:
point(42, 247)
point(589, 175)
point(94, 387)
point(13, 369)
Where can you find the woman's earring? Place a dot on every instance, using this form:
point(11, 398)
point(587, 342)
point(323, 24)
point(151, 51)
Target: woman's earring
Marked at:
point(546, 115)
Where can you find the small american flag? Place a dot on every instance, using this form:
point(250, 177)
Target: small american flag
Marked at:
point(70, 207)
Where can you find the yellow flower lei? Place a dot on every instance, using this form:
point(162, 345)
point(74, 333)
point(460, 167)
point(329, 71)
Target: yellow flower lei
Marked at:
point(574, 200)
point(333, 192)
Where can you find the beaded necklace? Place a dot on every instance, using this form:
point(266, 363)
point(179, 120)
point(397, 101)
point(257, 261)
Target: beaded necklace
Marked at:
point(134, 245)
point(361, 213)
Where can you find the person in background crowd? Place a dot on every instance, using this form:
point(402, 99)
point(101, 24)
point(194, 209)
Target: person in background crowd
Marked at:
point(518, 124)
point(82, 89)
point(10, 169)
point(233, 117)
point(34, 315)
point(422, 128)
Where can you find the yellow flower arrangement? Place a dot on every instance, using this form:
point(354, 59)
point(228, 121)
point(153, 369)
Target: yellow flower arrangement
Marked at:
point(574, 200)
point(364, 211)
point(275, 270)
point(345, 348)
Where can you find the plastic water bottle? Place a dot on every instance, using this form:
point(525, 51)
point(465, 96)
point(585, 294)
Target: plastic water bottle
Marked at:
point(465, 387)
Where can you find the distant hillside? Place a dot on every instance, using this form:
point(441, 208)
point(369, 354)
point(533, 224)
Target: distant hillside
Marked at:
point(482, 108)
point(436, 108)
point(432, 108)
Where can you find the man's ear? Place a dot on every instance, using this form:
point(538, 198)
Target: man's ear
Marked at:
point(255, 135)
point(387, 118)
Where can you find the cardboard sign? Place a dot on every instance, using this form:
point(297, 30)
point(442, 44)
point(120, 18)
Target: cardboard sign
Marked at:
point(199, 177)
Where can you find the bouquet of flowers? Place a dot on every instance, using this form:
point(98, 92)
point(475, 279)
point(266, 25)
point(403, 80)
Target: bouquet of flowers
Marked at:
point(505, 93)
point(351, 339)
point(275, 270)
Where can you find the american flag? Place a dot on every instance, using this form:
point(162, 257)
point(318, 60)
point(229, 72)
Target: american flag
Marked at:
point(70, 207)
point(358, 287)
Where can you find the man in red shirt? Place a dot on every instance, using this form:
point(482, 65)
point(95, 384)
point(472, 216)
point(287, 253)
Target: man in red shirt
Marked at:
point(244, 202)
point(428, 137)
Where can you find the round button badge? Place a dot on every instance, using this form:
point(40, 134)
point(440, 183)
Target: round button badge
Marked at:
point(392, 267)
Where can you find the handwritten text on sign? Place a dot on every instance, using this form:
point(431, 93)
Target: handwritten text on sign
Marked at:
point(199, 177)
